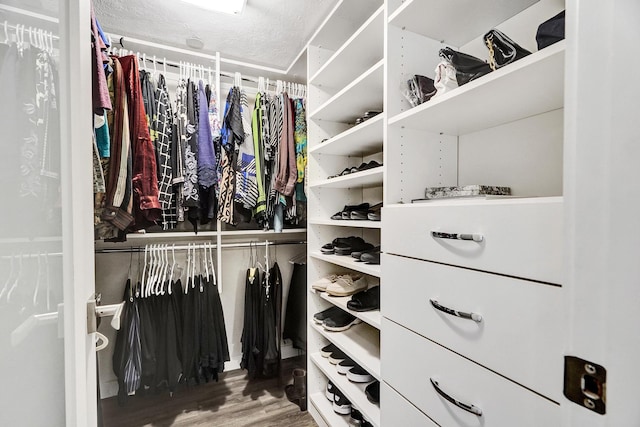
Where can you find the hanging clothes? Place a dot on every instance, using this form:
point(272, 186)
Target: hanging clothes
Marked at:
point(164, 146)
point(257, 123)
point(145, 183)
point(231, 133)
point(246, 194)
point(295, 324)
point(191, 189)
point(206, 159)
point(261, 349)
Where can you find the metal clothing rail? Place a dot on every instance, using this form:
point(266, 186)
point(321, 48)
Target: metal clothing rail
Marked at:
point(136, 249)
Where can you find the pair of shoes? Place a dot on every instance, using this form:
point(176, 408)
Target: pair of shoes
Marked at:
point(369, 256)
point(366, 300)
point(322, 283)
point(366, 116)
point(366, 213)
point(372, 391)
point(354, 372)
point(335, 319)
point(345, 213)
point(347, 285)
point(351, 244)
point(357, 419)
point(345, 245)
point(354, 169)
point(297, 392)
point(341, 405)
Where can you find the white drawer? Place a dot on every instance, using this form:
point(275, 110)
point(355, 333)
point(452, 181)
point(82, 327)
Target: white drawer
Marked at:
point(410, 362)
point(397, 411)
point(519, 335)
point(521, 237)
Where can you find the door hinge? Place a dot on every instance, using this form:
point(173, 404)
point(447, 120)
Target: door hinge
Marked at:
point(585, 383)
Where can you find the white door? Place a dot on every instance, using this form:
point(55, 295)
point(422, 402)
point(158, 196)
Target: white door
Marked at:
point(602, 199)
point(47, 359)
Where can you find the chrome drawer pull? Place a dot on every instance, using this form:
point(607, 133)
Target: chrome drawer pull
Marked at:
point(458, 236)
point(472, 316)
point(470, 408)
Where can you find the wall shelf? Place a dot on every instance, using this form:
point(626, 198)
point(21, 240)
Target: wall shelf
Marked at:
point(455, 22)
point(325, 408)
point(348, 262)
point(346, 223)
point(360, 96)
point(363, 49)
point(500, 97)
point(367, 178)
point(365, 138)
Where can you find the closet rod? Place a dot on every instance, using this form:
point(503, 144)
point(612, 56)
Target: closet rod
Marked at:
point(29, 13)
point(116, 38)
point(136, 249)
point(26, 29)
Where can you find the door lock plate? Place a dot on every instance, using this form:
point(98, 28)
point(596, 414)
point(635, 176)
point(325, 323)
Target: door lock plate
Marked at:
point(585, 383)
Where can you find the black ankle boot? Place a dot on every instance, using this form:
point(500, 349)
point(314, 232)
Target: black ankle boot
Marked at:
point(297, 392)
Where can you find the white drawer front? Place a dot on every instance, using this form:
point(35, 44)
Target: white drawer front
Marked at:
point(409, 362)
point(397, 411)
point(521, 237)
point(519, 335)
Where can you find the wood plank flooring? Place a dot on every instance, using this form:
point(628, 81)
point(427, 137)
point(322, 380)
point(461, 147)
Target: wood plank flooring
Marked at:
point(232, 402)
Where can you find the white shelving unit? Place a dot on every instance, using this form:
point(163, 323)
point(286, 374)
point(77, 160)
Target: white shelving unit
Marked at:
point(502, 129)
point(346, 80)
point(352, 391)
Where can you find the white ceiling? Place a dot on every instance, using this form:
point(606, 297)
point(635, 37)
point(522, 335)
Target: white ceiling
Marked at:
point(269, 32)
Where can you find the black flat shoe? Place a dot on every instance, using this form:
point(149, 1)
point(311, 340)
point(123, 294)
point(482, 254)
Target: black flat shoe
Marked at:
point(366, 300)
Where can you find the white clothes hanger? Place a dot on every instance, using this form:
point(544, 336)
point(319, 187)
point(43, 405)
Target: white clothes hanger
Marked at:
point(38, 275)
point(17, 279)
point(164, 66)
point(213, 268)
point(173, 265)
point(144, 269)
point(6, 32)
point(6, 283)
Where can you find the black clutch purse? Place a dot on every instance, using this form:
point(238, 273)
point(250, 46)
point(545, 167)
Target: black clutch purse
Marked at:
point(467, 67)
point(550, 31)
point(502, 50)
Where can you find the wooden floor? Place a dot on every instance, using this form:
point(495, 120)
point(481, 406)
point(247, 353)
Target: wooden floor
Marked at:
point(232, 402)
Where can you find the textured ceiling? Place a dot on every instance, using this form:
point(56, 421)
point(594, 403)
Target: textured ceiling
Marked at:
point(269, 32)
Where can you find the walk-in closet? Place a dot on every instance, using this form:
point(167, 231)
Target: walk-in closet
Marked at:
point(319, 213)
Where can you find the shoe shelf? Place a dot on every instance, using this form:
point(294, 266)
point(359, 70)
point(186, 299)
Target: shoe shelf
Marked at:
point(360, 342)
point(352, 391)
point(500, 97)
point(348, 262)
point(346, 223)
point(455, 22)
point(363, 49)
point(366, 179)
point(362, 139)
point(373, 317)
point(363, 94)
point(325, 408)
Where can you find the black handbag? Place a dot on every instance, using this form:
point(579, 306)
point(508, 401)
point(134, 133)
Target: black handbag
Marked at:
point(502, 50)
point(467, 67)
point(550, 31)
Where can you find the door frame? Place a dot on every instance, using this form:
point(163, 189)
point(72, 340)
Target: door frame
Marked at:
point(77, 202)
